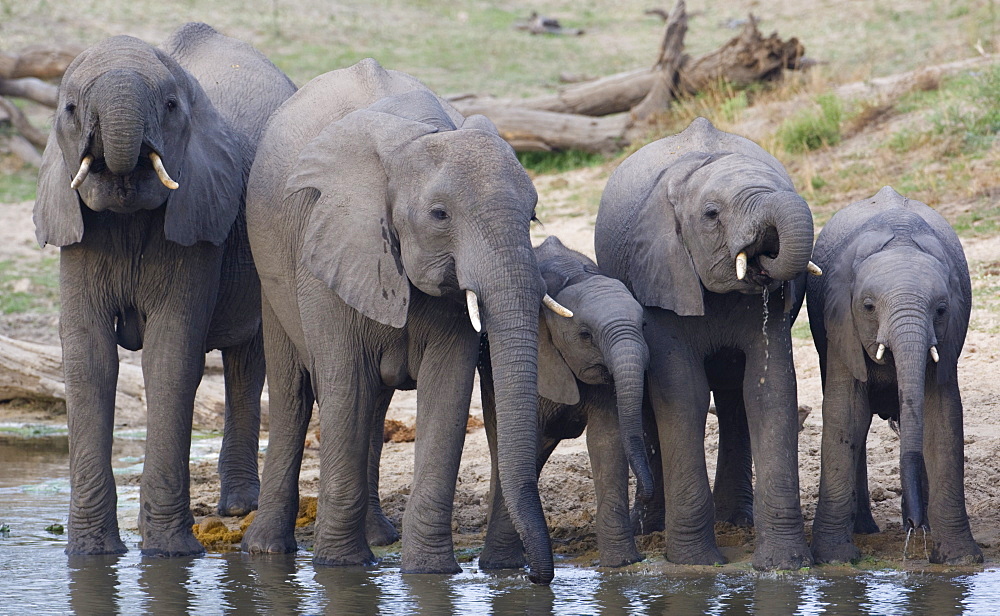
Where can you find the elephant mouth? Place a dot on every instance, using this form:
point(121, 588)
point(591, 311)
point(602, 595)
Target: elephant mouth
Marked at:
point(596, 375)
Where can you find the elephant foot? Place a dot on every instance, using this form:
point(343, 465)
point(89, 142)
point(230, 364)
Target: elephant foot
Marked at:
point(238, 502)
point(864, 524)
point(782, 557)
point(646, 519)
point(93, 544)
point(493, 559)
point(430, 563)
point(379, 530)
point(263, 537)
point(956, 553)
point(834, 552)
point(619, 557)
point(738, 516)
point(357, 557)
point(170, 544)
point(707, 553)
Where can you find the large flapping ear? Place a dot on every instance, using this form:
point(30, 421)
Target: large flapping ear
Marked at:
point(956, 269)
point(57, 216)
point(556, 381)
point(660, 269)
point(841, 332)
point(211, 176)
point(417, 105)
point(350, 243)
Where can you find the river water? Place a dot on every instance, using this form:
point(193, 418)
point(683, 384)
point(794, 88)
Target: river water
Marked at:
point(37, 578)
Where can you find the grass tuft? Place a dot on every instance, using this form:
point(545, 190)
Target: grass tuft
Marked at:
point(813, 129)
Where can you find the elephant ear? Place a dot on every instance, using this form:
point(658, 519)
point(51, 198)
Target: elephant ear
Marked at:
point(838, 317)
point(556, 381)
point(480, 122)
point(350, 243)
point(211, 176)
point(959, 288)
point(660, 270)
point(57, 217)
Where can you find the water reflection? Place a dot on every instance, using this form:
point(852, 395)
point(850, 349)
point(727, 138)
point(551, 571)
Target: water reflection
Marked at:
point(37, 578)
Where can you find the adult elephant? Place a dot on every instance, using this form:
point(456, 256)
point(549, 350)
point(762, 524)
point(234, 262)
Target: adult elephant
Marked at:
point(378, 215)
point(142, 186)
point(889, 319)
point(591, 370)
point(699, 226)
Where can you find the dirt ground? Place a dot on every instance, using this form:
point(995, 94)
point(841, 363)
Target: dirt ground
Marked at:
point(566, 486)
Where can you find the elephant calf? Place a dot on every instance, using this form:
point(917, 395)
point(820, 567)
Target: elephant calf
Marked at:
point(591, 369)
point(889, 319)
point(141, 185)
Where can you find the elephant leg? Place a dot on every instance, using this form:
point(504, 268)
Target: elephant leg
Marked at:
point(290, 404)
point(769, 392)
point(502, 547)
point(378, 528)
point(173, 361)
point(678, 391)
point(444, 390)
point(244, 370)
point(649, 516)
point(864, 523)
point(90, 365)
point(615, 541)
point(733, 488)
point(846, 418)
point(944, 445)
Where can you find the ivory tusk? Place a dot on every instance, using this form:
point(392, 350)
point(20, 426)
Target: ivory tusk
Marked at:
point(472, 302)
point(814, 269)
point(161, 172)
point(82, 174)
point(880, 352)
point(741, 265)
point(556, 307)
point(934, 354)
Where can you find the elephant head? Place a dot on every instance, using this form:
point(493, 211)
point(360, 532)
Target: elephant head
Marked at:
point(702, 210)
point(133, 131)
point(601, 344)
point(443, 205)
point(896, 297)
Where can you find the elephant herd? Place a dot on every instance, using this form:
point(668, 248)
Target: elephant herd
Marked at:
point(364, 237)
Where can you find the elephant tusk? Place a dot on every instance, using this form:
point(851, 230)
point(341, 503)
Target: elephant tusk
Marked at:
point(161, 172)
point(741, 265)
point(472, 302)
point(556, 307)
point(82, 174)
point(814, 269)
point(934, 354)
point(880, 352)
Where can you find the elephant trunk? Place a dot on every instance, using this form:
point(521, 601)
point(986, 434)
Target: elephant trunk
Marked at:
point(790, 217)
point(909, 343)
point(121, 116)
point(511, 320)
point(628, 358)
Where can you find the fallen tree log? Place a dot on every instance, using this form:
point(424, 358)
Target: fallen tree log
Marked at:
point(32, 371)
point(530, 130)
point(21, 124)
point(32, 89)
point(41, 61)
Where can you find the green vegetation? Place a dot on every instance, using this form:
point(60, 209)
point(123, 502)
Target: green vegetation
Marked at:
point(55, 529)
point(557, 162)
point(28, 287)
point(813, 129)
point(19, 185)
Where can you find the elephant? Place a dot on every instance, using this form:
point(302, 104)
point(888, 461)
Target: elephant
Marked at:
point(889, 318)
point(706, 230)
point(591, 371)
point(156, 260)
point(387, 229)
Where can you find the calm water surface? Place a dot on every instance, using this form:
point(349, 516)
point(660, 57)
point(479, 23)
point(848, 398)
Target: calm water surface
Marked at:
point(37, 578)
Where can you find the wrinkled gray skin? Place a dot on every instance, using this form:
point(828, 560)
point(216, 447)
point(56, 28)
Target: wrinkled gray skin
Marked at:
point(894, 274)
point(591, 369)
point(168, 271)
point(372, 207)
point(671, 222)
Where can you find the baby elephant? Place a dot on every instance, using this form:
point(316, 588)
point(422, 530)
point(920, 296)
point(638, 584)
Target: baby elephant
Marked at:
point(590, 371)
point(889, 318)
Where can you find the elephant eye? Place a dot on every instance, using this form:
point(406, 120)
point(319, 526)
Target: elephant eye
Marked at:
point(869, 305)
point(171, 104)
point(439, 213)
point(70, 108)
point(585, 335)
point(711, 211)
point(941, 310)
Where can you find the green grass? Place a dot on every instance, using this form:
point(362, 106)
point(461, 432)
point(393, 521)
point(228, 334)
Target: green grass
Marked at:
point(28, 287)
point(19, 185)
point(813, 129)
point(558, 162)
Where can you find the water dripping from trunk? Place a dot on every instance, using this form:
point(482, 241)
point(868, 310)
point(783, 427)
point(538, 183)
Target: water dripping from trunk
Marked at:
point(906, 544)
point(767, 352)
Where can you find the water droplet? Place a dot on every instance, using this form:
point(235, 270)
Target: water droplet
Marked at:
point(767, 352)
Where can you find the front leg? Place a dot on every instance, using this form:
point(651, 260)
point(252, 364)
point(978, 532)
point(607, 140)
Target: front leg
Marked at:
point(846, 419)
point(733, 488)
point(944, 444)
point(615, 541)
point(444, 390)
point(173, 361)
point(769, 392)
point(90, 366)
point(378, 528)
point(243, 366)
point(649, 516)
